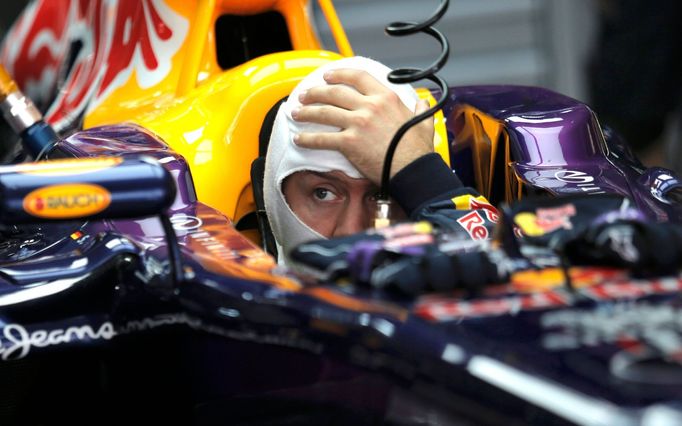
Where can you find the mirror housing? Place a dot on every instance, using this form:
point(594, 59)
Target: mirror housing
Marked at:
point(84, 188)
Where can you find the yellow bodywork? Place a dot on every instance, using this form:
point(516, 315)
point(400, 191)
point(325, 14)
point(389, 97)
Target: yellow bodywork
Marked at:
point(211, 116)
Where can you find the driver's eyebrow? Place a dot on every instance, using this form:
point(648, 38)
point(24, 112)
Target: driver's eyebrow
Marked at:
point(326, 175)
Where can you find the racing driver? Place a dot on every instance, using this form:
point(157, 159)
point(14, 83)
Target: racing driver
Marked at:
point(326, 151)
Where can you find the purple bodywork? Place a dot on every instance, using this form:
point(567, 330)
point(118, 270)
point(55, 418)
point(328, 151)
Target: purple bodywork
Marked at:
point(559, 145)
point(231, 335)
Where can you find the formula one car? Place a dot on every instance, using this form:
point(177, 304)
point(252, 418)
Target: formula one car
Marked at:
point(152, 306)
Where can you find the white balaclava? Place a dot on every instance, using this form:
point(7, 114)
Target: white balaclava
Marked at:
point(284, 157)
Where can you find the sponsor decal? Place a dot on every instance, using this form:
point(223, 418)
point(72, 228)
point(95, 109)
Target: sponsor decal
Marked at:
point(548, 278)
point(34, 47)
point(192, 227)
point(467, 202)
point(68, 167)
point(119, 40)
point(455, 309)
point(221, 249)
point(66, 201)
point(662, 184)
point(183, 222)
point(581, 180)
point(18, 341)
point(545, 220)
point(481, 308)
point(575, 328)
point(474, 224)
point(490, 212)
point(645, 335)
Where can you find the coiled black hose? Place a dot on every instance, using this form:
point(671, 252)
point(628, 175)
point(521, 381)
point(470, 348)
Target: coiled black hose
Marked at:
point(409, 75)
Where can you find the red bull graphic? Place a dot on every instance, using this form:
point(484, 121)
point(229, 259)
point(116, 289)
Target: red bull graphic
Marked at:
point(474, 224)
point(108, 42)
point(545, 220)
point(468, 202)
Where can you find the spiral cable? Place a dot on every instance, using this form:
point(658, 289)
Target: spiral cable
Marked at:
point(409, 75)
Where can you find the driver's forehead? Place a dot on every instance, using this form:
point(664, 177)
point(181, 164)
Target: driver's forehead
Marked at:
point(336, 177)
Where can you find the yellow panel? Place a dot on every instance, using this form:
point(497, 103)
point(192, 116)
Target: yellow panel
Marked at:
point(216, 126)
point(440, 138)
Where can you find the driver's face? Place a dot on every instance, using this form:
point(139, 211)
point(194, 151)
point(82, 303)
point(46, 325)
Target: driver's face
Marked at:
point(331, 203)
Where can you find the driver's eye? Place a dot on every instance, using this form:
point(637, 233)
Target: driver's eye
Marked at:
point(323, 194)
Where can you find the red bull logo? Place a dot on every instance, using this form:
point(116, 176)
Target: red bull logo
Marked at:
point(545, 220)
point(67, 201)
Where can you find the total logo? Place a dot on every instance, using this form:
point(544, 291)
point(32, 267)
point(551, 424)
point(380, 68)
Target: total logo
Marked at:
point(183, 222)
point(65, 201)
point(581, 180)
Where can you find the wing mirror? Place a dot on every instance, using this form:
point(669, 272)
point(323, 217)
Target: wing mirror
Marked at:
point(84, 188)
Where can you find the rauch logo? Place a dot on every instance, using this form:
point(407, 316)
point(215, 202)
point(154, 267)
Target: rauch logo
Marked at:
point(67, 201)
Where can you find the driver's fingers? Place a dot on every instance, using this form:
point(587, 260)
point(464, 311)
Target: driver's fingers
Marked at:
point(331, 141)
point(323, 114)
point(338, 95)
point(361, 80)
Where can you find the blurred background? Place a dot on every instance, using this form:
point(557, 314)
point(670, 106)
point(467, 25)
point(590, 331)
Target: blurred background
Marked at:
point(621, 57)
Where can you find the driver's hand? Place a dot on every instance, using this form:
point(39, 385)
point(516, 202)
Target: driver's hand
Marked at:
point(368, 114)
